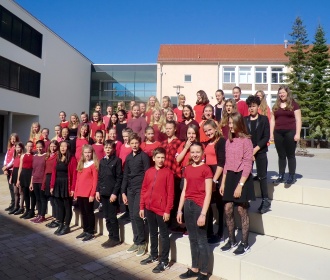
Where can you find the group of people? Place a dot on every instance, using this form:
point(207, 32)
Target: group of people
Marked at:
point(167, 165)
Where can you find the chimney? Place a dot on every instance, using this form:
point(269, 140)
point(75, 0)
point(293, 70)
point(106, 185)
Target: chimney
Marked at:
point(285, 44)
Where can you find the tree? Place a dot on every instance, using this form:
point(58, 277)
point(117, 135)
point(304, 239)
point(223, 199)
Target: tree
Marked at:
point(319, 93)
point(297, 78)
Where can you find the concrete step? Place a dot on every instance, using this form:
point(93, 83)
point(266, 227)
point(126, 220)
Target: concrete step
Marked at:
point(304, 191)
point(296, 222)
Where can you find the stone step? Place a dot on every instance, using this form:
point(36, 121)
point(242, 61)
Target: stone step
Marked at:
point(304, 191)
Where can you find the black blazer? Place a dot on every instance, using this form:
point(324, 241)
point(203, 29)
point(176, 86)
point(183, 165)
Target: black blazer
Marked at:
point(262, 131)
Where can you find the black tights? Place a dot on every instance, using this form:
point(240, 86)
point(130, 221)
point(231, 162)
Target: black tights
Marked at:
point(245, 220)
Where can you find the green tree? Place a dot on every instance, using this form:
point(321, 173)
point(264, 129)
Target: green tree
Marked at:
point(297, 78)
point(319, 94)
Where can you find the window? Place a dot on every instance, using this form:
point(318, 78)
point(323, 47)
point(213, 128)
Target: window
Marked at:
point(187, 78)
point(277, 75)
point(229, 74)
point(19, 78)
point(261, 75)
point(16, 31)
point(245, 75)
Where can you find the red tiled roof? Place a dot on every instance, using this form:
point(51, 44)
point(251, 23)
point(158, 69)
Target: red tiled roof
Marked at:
point(222, 53)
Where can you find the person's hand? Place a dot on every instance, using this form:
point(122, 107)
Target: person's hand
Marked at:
point(91, 199)
point(97, 196)
point(238, 191)
point(4, 168)
point(201, 220)
point(51, 191)
point(31, 188)
point(222, 189)
point(179, 217)
point(141, 213)
point(125, 200)
point(296, 137)
point(113, 198)
point(253, 158)
point(71, 193)
point(188, 144)
point(166, 217)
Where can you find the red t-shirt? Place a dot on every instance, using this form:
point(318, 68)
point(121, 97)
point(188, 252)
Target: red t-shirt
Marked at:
point(99, 151)
point(195, 177)
point(199, 112)
point(106, 120)
point(209, 152)
point(80, 142)
point(124, 152)
point(202, 135)
point(149, 148)
point(285, 119)
point(118, 147)
point(186, 158)
point(178, 113)
point(64, 124)
point(159, 136)
point(16, 162)
point(94, 127)
point(242, 108)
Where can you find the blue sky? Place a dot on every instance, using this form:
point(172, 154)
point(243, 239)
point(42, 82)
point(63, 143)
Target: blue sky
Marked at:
point(131, 31)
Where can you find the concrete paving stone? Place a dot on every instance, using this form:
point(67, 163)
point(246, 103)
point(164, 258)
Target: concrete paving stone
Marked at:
point(92, 266)
point(61, 275)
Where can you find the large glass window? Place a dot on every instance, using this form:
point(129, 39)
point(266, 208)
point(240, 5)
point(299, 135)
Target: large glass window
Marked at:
point(245, 75)
point(277, 75)
point(20, 33)
point(229, 75)
point(261, 75)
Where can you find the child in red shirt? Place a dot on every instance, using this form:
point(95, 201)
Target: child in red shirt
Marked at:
point(97, 124)
point(150, 144)
point(125, 149)
point(64, 122)
point(98, 146)
point(156, 202)
point(85, 190)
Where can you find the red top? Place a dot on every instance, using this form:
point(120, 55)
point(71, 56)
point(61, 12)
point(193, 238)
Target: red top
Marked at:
point(124, 152)
point(138, 126)
point(49, 165)
point(170, 161)
point(157, 191)
point(16, 162)
point(118, 147)
point(34, 141)
point(195, 177)
point(178, 113)
point(94, 126)
point(159, 136)
point(186, 158)
point(211, 157)
point(148, 115)
point(202, 135)
point(149, 148)
point(199, 112)
point(72, 175)
point(99, 151)
point(129, 115)
point(268, 112)
point(106, 120)
point(27, 161)
point(38, 171)
point(239, 156)
point(285, 119)
point(86, 181)
point(242, 108)
point(225, 131)
point(80, 142)
point(64, 124)
point(9, 158)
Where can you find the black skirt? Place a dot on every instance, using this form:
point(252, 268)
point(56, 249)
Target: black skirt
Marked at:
point(47, 184)
point(61, 187)
point(25, 177)
point(232, 180)
point(14, 176)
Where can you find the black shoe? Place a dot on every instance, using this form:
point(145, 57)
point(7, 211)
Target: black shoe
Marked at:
point(228, 246)
point(82, 235)
point(160, 267)
point(24, 215)
point(261, 205)
point(13, 211)
point(291, 180)
point(30, 215)
point(255, 178)
point(202, 277)
point(280, 179)
point(19, 211)
point(189, 274)
point(65, 229)
point(88, 237)
point(214, 239)
point(59, 228)
point(242, 249)
point(125, 217)
point(10, 207)
point(110, 243)
point(265, 206)
point(149, 259)
point(53, 224)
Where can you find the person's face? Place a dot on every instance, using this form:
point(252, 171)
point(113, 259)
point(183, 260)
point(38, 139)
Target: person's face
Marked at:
point(152, 101)
point(208, 113)
point(112, 134)
point(83, 118)
point(88, 154)
point(18, 149)
point(182, 101)
point(231, 125)
point(45, 134)
point(73, 119)
point(65, 133)
point(253, 109)
point(236, 94)
point(121, 117)
point(142, 107)
point(259, 95)
point(196, 153)
point(199, 98)
point(209, 131)
point(52, 148)
point(135, 145)
point(57, 130)
point(186, 112)
point(39, 148)
point(35, 128)
point(125, 137)
point(83, 131)
point(63, 148)
point(28, 147)
point(113, 118)
point(229, 108)
point(283, 95)
point(13, 140)
point(119, 106)
point(156, 116)
point(95, 117)
point(159, 160)
point(98, 137)
point(191, 134)
point(108, 150)
point(136, 111)
point(170, 129)
point(170, 116)
point(132, 103)
point(165, 103)
point(150, 134)
point(219, 97)
point(109, 110)
point(62, 116)
point(98, 108)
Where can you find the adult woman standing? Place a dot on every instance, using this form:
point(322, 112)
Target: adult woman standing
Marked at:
point(263, 108)
point(237, 184)
point(218, 108)
point(202, 100)
point(285, 127)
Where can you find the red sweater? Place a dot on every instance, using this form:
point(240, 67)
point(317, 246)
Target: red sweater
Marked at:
point(86, 181)
point(242, 108)
point(157, 192)
point(9, 158)
point(72, 175)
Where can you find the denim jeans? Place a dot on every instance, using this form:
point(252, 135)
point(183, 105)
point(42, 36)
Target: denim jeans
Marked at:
point(199, 248)
point(110, 216)
point(154, 222)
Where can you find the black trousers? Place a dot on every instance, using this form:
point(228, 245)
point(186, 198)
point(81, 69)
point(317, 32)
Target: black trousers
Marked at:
point(11, 188)
point(199, 248)
point(41, 199)
point(262, 164)
point(87, 214)
point(217, 199)
point(286, 148)
point(133, 196)
point(110, 216)
point(64, 209)
point(29, 199)
point(154, 222)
